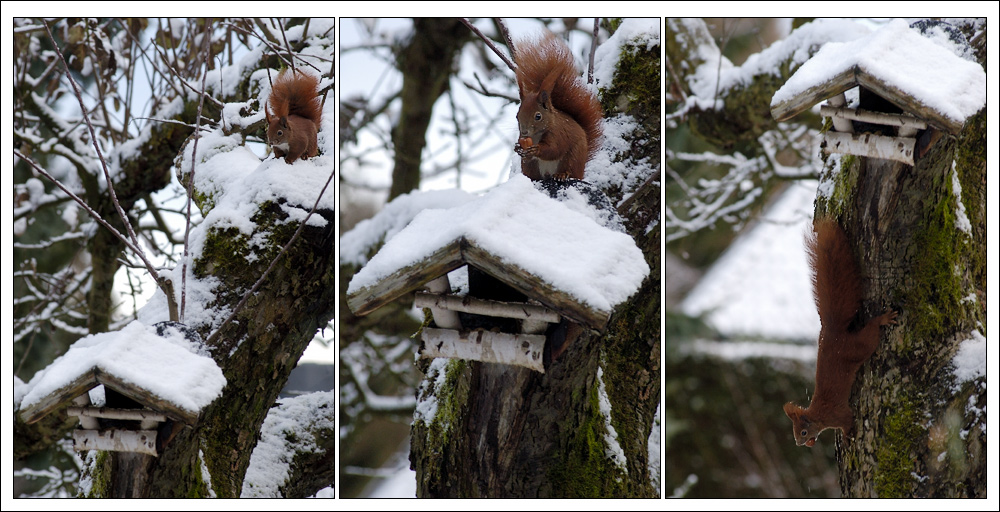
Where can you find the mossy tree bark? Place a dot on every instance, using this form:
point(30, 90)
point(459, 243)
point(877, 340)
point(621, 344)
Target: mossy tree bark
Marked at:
point(921, 430)
point(501, 431)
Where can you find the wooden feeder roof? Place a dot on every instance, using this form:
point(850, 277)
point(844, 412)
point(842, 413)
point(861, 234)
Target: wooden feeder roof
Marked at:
point(90, 379)
point(897, 63)
point(555, 255)
point(461, 252)
point(160, 373)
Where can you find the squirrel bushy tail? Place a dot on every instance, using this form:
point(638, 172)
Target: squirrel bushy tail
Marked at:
point(547, 64)
point(836, 277)
point(294, 94)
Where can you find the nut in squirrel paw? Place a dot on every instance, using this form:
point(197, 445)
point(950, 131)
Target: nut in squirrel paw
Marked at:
point(526, 147)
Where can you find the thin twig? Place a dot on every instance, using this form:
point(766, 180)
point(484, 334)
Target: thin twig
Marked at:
point(107, 175)
point(481, 89)
point(285, 39)
point(177, 76)
point(677, 81)
point(505, 33)
point(593, 50)
point(86, 208)
point(458, 138)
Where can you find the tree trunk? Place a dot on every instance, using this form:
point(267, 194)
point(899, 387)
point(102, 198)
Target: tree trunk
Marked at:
point(919, 434)
point(426, 63)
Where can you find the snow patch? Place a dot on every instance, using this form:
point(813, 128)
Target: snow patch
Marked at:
point(632, 33)
point(653, 452)
point(288, 429)
point(961, 219)
point(613, 449)
point(206, 476)
point(970, 360)
point(356, 243)
point(427, 405)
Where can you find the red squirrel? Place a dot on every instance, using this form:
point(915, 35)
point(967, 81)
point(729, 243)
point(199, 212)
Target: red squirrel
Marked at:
point(838, 292)
point(294, 118)
point(559, 118)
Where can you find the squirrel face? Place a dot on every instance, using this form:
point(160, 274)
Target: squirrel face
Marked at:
point(803, 428)
point(277, 135)
point(533, 116)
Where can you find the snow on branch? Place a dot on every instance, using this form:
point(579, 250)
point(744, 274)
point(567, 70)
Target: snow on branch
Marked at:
point(294, 427)
point(712, 200)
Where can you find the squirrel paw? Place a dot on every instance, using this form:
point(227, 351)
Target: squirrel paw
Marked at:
point(526, 151)
point(888, 318)
point(562, 176)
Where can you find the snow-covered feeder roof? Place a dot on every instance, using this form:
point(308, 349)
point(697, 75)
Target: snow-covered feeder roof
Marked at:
point(899, 64)
point(163, 373)
point(519, 235)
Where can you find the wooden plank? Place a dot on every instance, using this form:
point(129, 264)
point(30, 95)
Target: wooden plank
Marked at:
point(525, 350)
point(116, 414)
point(406, 279)
point(536, 288)
point(869, 116)
point(794, 106)
point(469, 304)
point(59, 397)
point(116, 440)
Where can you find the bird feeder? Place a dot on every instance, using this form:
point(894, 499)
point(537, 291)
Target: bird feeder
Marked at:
point(141, 372)
point(545, 267)
point(910, 92)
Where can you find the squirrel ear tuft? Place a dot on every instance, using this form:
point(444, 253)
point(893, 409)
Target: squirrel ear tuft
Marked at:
point(792, 410)
point(543, 99)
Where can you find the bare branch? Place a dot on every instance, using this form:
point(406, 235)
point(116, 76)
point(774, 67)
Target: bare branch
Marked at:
point(593, 51)
point(505, 33)
point(489, 43)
